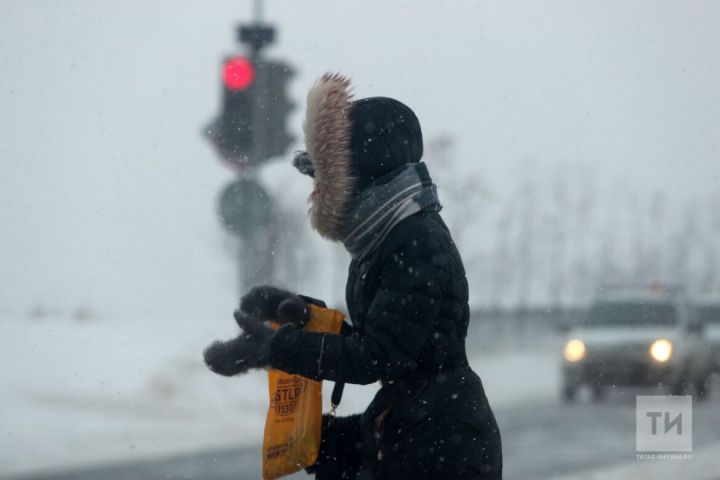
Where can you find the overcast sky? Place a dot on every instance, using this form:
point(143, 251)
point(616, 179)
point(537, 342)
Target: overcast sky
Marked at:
point(107, 189)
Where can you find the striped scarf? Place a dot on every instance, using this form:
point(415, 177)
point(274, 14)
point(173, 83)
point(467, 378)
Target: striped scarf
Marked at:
point(377, 209)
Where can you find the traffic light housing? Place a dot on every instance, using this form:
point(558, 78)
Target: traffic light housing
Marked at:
point(273, 108)
point(252, 126)
point(232, 132)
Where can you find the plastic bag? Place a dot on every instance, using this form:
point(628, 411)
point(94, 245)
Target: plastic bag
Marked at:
point(294, 419)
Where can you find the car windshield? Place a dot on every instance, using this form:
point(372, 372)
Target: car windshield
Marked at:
point(709, 314)
point(631, 314)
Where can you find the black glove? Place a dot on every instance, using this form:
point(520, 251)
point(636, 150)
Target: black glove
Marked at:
point(277, 305)
point(251, 349)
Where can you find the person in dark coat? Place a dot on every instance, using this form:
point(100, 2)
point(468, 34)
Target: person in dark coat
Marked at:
point(407, 298)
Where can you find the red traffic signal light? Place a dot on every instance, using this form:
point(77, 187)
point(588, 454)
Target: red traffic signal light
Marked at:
point(238, 73)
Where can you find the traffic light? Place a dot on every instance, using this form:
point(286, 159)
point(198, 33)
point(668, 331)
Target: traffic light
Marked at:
point(232, 132)
point(272, 110)
point(252, 126)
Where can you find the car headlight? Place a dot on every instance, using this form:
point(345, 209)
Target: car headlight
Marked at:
point(574, 350)
point(661, 350)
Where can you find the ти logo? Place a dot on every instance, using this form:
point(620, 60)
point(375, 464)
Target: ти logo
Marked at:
point(663, 423)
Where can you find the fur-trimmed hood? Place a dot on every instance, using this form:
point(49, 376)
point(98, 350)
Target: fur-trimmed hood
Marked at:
point(327, 139)
point(351, 144)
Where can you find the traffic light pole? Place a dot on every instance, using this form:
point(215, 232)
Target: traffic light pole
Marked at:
point(258, 11)
point(254, 261)
point(251, 130)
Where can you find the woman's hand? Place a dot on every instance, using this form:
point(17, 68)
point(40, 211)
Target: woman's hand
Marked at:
point(276, 305)
point(251, 349)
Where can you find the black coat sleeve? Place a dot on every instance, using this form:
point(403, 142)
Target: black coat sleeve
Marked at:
point(399, 321)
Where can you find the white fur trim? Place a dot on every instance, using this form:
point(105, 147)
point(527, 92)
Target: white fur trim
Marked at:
point(327, 140)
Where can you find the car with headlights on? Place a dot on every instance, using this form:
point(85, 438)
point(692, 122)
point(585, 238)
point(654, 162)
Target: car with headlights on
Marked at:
point(637, 337)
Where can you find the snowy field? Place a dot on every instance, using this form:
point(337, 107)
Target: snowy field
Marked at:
point(77, 394)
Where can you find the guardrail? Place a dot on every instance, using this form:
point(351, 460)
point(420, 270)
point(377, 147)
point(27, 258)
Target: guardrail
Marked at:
point(494, 328)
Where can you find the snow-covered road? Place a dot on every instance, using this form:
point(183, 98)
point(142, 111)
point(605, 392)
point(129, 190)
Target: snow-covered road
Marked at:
point(78, 395)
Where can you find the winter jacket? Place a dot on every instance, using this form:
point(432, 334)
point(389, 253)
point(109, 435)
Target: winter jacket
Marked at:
point(408, 303)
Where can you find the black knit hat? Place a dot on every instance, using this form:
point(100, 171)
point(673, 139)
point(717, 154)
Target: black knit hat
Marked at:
point(385, 135)
point(350, 144)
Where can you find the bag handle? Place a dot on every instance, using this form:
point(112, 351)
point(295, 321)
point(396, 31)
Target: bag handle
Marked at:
point(339, 387)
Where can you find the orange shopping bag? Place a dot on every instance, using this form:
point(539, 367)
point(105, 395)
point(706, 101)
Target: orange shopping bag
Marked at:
point(294, 419)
